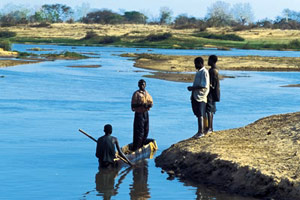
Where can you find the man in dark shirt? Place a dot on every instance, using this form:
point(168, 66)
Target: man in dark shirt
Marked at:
point(105, 151)
point(214, 91)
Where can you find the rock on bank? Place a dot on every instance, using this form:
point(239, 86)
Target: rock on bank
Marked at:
point(261, 159)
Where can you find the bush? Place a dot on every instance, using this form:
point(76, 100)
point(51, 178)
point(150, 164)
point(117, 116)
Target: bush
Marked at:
point(69, 54)
point(7, 34)
point(41, 25)
point(232, 37)
point(91, 35)
point(5, 45)
point(109, 39)
point(294, 44)
point(159, 37)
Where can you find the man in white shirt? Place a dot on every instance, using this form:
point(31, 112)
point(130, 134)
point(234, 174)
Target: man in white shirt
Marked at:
point(200, 90)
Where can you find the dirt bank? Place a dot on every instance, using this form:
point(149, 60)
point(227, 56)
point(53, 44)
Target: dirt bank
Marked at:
point(9, 63)
point(260, 160)
point(178, 64)
point(84, 66)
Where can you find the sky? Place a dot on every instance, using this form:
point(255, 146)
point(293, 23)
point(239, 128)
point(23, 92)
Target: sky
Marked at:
point(197, 8)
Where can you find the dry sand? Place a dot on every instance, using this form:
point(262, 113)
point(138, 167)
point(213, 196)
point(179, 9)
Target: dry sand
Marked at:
point(9, 63)
point(175, 68)
point(260, 160)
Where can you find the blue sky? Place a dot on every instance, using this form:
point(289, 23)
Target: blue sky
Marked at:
point(197, 8)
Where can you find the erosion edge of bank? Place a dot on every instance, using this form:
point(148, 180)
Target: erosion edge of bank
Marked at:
point(259, 160)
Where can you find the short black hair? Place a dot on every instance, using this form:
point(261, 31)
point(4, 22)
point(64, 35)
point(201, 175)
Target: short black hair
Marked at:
point(142, 81)
point(213, 58)
point(108, 128)
point(198, 61)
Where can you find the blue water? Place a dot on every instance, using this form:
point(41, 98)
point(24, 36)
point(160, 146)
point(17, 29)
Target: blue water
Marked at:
point(42, 106)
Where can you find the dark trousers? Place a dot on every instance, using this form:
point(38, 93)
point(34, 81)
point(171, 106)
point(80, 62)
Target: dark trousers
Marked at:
point(140, 129)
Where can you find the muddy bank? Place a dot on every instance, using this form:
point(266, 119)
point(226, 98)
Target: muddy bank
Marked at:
point(292, 85)
point(84, 66)
point(8, 63)
point(260, 160)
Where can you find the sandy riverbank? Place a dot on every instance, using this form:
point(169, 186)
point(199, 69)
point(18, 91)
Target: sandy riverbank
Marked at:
point(9, 63)
point(261, 159)
point(171, 67)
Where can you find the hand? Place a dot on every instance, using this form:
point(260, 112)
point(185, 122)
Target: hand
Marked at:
point(147, 106)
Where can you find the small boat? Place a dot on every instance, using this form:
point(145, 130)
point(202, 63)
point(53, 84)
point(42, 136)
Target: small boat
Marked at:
point(146, 151)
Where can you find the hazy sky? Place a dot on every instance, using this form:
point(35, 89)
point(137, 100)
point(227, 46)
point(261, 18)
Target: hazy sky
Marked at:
point(197, 8)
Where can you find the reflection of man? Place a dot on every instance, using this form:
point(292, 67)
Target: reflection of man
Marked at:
point(139, 189)
point(105, 182)
point(141, 103)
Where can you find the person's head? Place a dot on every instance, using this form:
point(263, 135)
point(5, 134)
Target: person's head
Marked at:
point(212, 60)
point(108, 129)
point(198, 62)
point(142, 84)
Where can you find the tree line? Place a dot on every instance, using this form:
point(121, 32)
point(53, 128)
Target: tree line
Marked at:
point(239, 16)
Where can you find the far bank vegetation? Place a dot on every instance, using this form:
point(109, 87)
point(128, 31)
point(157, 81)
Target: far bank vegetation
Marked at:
point(224, 26)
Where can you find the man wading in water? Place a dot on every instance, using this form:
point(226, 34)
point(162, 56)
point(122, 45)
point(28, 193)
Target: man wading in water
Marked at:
point(199, 94)
point(141, 103)
point(105, 151)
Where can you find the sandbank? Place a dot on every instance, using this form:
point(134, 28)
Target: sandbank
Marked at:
point(260, 160)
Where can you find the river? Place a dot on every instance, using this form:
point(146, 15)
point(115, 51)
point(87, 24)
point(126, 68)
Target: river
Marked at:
point(42, 106)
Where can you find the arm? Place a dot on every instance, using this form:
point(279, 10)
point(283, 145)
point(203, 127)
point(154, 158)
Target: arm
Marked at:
point(134, 102)
point(214, 78)
point(192, 88)
point(121, 152)
point(97, 151)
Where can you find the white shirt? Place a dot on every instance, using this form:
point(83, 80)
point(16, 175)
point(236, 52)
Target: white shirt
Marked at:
point(201, 80)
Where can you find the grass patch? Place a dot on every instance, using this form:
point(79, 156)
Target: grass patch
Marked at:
point(5, 45)
point(7, 34)
point(294, 44)
point(109, 39)
point(66, 55)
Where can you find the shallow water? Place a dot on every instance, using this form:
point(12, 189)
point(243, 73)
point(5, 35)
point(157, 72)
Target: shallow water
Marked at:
point(42, 106)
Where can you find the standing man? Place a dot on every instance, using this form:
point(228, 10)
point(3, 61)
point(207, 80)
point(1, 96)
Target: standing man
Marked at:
point(214, 91)
point(141, 103)
point(105, 151)
point(200, 90)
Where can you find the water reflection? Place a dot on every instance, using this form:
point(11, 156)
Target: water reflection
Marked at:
point(107, 187)
point(139, 188)
point(105, 182)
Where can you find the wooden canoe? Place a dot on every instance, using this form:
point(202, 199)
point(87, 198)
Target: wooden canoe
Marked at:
point(146, 151)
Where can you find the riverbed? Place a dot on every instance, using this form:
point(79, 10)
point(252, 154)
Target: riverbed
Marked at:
point(43, 156)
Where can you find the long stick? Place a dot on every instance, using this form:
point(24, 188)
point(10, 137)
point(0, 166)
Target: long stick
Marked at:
point(125, 161)
point(87, 135)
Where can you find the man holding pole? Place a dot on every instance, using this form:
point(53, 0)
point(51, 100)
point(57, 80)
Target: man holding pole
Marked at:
point(105, 151)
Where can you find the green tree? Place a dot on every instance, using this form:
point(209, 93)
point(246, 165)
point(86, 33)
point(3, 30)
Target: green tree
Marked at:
point(135, 17)
point(183, 21)
point(54, 13)
point(103, 17)
point(14, 18)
